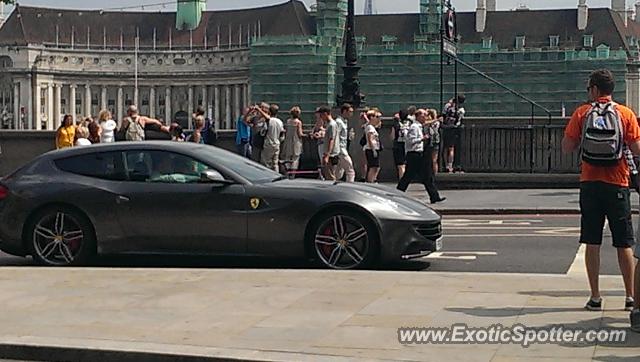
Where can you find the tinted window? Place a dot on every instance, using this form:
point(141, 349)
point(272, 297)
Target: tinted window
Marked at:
point(163, 167)
point(104, 165)
point(246, 168)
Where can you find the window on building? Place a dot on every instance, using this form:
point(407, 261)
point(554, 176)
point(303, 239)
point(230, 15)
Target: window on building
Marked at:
point(602, 52)
point(587, 41)
point(389, 42)
point(632, 41)
point(520, 42)
point(554, 41)
point(487, 43)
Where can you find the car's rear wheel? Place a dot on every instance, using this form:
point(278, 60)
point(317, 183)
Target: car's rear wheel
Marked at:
point(61, 236)
point(345, 240)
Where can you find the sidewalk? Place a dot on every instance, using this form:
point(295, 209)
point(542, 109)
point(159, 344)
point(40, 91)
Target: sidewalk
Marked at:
point(290, 315)
point(528, 201)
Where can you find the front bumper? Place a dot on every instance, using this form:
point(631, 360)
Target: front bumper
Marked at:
point(402, 240)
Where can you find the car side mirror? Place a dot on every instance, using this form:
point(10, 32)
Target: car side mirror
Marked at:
point(214, 177)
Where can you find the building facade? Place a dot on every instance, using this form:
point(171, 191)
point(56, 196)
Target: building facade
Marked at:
point(55, 62)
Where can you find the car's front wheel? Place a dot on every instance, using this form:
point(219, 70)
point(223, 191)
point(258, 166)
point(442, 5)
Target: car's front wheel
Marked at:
point(61, 236)
point(345, 240)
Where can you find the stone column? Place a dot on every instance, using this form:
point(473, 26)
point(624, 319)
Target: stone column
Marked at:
point(72, 102)
point(249, 96)
point(49, 106)
point(57, 109)
point(227, 106)
point(37, 111)
point(236, 105)
point(190, 105)
point(216, 106)
point(152, 102)
point(245, 97)
point(632, 79)
point(16, 106)
point(120, 104)
point(87, 100)
point(103, 98)
point(167, 105)
point(204, 103)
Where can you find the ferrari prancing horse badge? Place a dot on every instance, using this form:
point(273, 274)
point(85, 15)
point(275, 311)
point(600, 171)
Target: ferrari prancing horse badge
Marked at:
point(254, 202)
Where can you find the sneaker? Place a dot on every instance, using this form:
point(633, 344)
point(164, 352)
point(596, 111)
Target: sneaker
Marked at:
point(442, 199)
point(594, 304)
point(628, 304)
point(634, 317)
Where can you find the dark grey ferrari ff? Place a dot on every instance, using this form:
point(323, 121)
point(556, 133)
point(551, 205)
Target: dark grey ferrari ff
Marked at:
point(65, 207)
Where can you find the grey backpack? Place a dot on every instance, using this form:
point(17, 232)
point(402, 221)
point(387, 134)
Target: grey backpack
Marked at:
point(602, 142)
point(135, 132)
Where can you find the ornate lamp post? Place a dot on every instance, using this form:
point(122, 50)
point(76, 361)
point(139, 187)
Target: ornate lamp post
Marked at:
point(351, 85)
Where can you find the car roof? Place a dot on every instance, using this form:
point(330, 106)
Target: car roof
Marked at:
point(183, 147)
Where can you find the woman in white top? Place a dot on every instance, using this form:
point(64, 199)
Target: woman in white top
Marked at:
point(372, 148)
point(107, 127)
point(82, 136)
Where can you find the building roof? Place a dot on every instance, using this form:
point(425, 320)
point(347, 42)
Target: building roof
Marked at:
point(33, 25)
point(604, 24)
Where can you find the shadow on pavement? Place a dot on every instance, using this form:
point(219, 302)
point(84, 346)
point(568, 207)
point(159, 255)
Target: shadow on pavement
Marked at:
point(510, 311)
point(572, 293)
point(228, 262)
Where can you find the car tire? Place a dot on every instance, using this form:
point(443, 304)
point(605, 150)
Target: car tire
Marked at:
point(61, 236)
point(344, 240)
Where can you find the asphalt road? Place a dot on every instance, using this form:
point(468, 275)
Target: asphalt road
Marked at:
point(497, 243)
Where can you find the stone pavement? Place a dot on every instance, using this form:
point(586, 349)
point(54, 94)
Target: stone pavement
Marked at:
point(295, 315)
point(529, 201)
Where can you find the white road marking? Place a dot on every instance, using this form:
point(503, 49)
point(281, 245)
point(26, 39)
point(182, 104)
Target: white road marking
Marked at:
point(449, 236)
point(510, 227)
point(477, 222)
point(459, 255)
point(577, 268)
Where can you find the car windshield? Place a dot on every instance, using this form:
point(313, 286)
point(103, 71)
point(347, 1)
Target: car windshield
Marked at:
point(252, 171)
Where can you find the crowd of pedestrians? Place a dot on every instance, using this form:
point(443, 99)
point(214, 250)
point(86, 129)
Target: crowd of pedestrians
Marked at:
point(277, 144)
point(134, 127)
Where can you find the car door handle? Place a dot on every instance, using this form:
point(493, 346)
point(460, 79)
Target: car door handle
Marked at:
point(122, 199)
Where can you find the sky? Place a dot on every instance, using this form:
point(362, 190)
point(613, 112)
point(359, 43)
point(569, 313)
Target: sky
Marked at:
point(381, 6)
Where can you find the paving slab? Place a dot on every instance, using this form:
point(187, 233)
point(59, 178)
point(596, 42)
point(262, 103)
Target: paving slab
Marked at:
point(284, 315)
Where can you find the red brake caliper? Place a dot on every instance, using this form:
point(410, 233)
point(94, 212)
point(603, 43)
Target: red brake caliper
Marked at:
point(327, 249)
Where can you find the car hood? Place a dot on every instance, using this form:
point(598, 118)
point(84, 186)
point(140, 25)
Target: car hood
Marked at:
point(367, 191)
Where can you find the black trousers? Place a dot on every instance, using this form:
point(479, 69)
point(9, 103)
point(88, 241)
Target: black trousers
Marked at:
point(418, 168)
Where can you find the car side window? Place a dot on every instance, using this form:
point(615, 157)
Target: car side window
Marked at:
point(101, 165)
point(163, 167)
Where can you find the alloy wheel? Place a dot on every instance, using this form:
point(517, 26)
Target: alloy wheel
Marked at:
point(58, 238)
point(342, 242)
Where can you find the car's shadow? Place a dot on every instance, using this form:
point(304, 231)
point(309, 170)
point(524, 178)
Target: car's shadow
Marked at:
point(227, 262)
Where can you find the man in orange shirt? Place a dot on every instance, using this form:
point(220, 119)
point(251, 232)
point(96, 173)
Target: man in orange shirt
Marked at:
point(604, 190)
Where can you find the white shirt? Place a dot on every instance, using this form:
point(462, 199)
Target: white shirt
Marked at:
point(414, 141)
point(274, 130)
point(343, 134)
point(375, 144)
point(108, 128)
point(83, 142)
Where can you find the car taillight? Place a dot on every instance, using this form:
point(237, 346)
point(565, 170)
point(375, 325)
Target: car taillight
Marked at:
point(4, 192)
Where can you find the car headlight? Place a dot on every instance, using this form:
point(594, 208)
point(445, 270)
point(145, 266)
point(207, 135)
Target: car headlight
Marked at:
point(390, 204)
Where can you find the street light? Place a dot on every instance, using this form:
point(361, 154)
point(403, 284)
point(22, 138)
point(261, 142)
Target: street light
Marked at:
point(351, 85)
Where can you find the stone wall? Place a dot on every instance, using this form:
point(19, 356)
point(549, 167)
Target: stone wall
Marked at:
point(488, 145)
